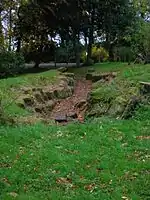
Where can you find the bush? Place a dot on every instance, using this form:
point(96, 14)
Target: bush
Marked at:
point(88, 63)
point(99, 54)
point(123, 54)
point(11, 63)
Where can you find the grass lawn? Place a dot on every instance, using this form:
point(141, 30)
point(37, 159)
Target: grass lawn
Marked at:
point(9, 89)
point(102, 159)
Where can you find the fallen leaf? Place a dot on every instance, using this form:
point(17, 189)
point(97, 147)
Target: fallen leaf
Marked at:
point(90, 187)
point(5, 180)
point(143, 137)
point(63, 181)
point(13, 194)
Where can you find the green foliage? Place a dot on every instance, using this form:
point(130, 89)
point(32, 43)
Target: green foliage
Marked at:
point(112, 99)
point(99, 54)
point(123, 54)
point(65, 53)
point(141, 40)
point(11, 63)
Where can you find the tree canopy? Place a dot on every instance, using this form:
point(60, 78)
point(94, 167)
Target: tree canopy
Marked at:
point(35, 25)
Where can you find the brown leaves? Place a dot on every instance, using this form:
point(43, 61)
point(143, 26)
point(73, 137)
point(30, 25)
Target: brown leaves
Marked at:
point(143, 137)
point(6, 181)
point(90, 187)
point(13, 194)
point(62, 180)
point(67, 182)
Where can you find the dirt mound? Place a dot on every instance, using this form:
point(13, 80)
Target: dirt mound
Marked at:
point(74, 106)
point(42, 100)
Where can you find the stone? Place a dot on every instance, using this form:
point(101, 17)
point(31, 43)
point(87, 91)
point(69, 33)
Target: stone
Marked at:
point(20, 103)
point(29, 101)
point(97, 110)
point(50, 105)
point(45, 97)
point(63, 69)
point(70, 75)
point(97, 77)
point(72, 115)
point(61, 118)
point(131, 107)
point(80, 104)
point(62, 83)
point(39, 97)
point(145, 88)
point(70, 81)
point(50, 94)
point(27, 90)
point(39, 109)
point(116, 110)
point(89, 76)
point(37, 89)
point(62, 93)
point(91, 70)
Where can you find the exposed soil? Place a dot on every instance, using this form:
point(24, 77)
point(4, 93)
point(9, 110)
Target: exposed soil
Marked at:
point(71, 105)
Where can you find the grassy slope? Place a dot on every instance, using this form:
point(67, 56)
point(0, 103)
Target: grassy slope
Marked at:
point(101, 159)
point(9, 89)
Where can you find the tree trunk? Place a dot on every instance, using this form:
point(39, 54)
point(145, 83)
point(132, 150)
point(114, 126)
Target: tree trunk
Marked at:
point(1, 32)
point(91, 32)
point(18, 44)
point(109, 47)
point(77, 51)
point(10, 29)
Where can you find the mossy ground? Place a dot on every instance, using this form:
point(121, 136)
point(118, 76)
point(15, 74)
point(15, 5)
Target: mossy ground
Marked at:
point(10, 89)
point(100, 159)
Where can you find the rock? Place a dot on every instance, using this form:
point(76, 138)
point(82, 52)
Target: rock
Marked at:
point(50, 105)
point(97, 110)
point(66, 81)
point(39, 97)
point(61, 118)
point(145, 88)
point(96, 77)
point(50, 94)
point(27, 90)
point(63, 69)
point(39, 109)
point(29, 101)
point(37, 89)
point(20, 103)
point(70, 82)
point(70, 75)
point(116, 110)
point(91, 70)
point(45, 97)
point(62, 93)
point(62, 83)
point(80, 104)
point(89, 76)
point(72, 115)
point(131, 107)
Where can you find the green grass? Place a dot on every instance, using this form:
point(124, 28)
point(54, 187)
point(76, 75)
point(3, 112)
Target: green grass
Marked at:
point(125, 85)
point(9, 89)
point(29, 80)
point(101, 159)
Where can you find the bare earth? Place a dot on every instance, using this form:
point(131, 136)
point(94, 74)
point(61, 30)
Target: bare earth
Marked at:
point(67, 106)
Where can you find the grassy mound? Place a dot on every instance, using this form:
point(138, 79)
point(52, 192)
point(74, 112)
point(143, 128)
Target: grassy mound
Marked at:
point(114, 98)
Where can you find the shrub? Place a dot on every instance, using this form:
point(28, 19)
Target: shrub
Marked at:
point(124, 54)
point(11, 63)
point(99, 54)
